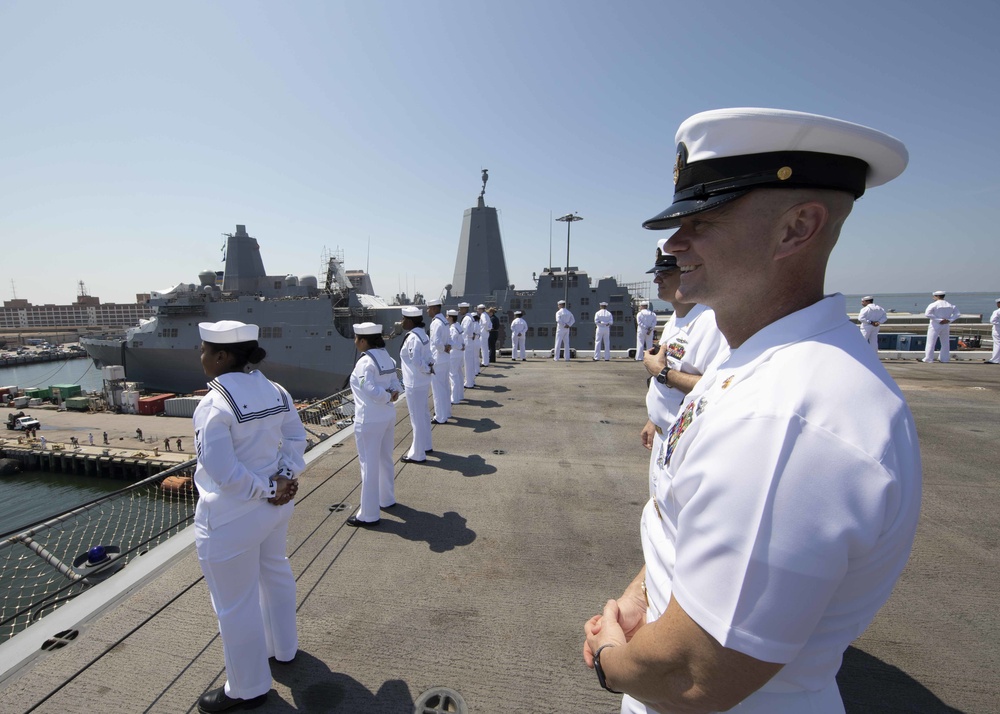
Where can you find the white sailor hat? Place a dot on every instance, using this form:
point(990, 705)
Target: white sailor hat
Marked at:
point(603, 303)
point(939, 293)
point(518, 313)
point(434, 302)
point(644, 302)
point(726, 153)
point(227, 332)
point(366, 328)
point(664, 260)
point(867, 297)
point(453, 313)
point(480, 306)
point(411, 311)
point(561, 302)
point(463, 304)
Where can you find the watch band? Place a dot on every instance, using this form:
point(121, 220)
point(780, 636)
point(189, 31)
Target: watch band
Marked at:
point(600, 670)
point(662, 376)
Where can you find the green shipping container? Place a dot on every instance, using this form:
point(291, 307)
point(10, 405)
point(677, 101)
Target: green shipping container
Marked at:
point(81, 404)
point(66, 390)
point(37, 393)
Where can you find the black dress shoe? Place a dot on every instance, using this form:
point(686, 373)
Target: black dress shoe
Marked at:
point(439, 422)
point(218, 701)
point(388, 508)
point(428, 451)
point(283, 661)
point(412, 461)
point(353, 522)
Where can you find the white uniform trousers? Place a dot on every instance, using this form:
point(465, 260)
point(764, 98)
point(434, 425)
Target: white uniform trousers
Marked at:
point(643, 342)
point(471, 363)
point(378, 478)
point(562, 338)
point(995, 359)
point(253, 593)
point(517, 347)
point(870, 333)
point(484, 350)
point(457, 376)
point(934, 331)
point(602, 336)
point(420, 422)
point(441, 388)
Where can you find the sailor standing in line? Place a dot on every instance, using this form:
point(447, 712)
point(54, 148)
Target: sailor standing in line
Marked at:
point(645, 323)
point(441, 354)
point(250, 441)
point(375, 388)
point(484, 335)
point(995, 321)
point(456, 373)
point(470, 329)
point(564, 321)
point(603, 321)
point(415, 356)
point(870, 317)
point(518, 330)
point(494, 336)
point(941, 314)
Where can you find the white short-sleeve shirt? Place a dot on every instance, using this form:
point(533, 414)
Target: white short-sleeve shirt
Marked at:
point(787, 504)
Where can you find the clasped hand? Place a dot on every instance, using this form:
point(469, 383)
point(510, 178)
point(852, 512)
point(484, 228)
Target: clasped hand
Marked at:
point(285, 490)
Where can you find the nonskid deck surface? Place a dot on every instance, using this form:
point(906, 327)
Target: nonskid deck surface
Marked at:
point(521, 524)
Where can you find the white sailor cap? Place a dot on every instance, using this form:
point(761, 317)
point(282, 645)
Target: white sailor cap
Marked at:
point(726, 153)
point(434, 302)
point(518, 313)
point(453, 313)
point(603, 303)
point(644, 303)
point(561, 302)
point(998, 299)
point(664, 260)
point(227, 332)
point(411, 311)
point(463, 304)
point(366, 328)
point(867, 297)
point(939, 293)
point(480, 306)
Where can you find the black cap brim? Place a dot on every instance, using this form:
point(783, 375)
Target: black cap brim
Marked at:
point(671, 217)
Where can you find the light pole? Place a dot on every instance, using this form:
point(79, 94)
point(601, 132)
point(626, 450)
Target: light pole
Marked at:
point(568, 220)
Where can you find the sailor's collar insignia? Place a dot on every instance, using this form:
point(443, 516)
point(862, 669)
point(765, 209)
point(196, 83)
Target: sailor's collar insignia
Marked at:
point(729, 380)
point(680, 162)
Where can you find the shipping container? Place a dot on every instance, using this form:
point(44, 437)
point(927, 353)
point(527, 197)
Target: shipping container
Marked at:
point(154, 404)
point(181, 406)
point(12, 390)
point(38, 393)
point(80, 404)
point(66, 390)
point(113, 372)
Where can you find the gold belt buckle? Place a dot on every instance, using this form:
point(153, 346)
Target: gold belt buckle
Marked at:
point(659, 431)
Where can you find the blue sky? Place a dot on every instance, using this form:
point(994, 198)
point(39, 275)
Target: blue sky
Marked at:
point(133, 135)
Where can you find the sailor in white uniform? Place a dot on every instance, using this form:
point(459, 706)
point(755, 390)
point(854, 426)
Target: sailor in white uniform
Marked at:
point(564, 321)
point(440, 336)
point(870, 317)
point(941, 314)
point(645, 323)
point(518, 330)
point(995, 321)
point(470, 329)
point(603, 320)
point(456, 373)
point(788, 501)
point(484, 336)
point(418, 366)
point(249, 441)
point(375, 387)
point(689, 345)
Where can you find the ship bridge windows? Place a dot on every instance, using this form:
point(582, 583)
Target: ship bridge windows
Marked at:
point(527, 303)
point(584, 315)
point(267, 333)
point(585, 301)
point(616, 298)
point(543, 331)
point(515, 304)
point(618, 315)
point(169, 332)
point(617, 331)
point(530, 332)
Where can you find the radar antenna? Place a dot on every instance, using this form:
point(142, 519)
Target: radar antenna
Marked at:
point(486, 177)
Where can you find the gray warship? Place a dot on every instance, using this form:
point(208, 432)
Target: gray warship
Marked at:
point(306, 327)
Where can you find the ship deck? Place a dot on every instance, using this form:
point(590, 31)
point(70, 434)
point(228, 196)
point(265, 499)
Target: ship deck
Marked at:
point(522, 523)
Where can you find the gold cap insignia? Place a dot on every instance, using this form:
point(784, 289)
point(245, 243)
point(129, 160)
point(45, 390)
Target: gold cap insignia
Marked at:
point(784, 173)
point(680, 162)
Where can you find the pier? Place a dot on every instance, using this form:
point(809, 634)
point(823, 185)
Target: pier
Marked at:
point(521, 524)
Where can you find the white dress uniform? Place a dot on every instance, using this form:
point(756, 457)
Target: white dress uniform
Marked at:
point(372, 380)
point(787, 504)
point(937, 311)
point(869, 315)
point(518, 330)
point(247, 430)
point(415, 356)
point(564, 321)
point(995, 321)
point(441, 379)
point(645, 323)
point(470, 328)
point(693, 344)
point(603, 321)
point(485, 323)
point(457, 370)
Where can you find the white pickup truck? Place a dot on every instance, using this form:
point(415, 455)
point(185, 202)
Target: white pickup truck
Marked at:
point(23, 423)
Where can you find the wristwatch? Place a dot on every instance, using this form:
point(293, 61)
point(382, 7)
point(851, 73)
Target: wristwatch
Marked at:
point(600, 671)
point(662, 376)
